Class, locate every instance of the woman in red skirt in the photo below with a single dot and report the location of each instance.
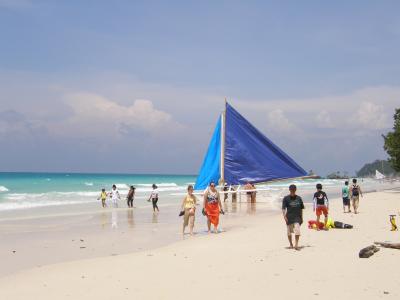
(212, 207)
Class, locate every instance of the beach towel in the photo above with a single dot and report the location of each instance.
(312, 224)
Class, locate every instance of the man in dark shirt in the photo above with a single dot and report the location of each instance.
(292, 209)
(321, 205)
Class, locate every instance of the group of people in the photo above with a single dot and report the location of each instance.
(115, 196)
(292, 208)
(352, 193)
(212, 208)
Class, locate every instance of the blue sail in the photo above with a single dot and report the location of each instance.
(210, 169)
(251, 157)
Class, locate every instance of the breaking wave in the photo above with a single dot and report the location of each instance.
(3, 188)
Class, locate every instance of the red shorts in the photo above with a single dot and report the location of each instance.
(321, 210)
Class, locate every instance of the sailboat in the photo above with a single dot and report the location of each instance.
(239, 153)
(379, 175)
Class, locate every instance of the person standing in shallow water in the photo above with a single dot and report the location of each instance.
(253, 194)
(248, 187)
(225, 189)
(103, 197)
(292, 210)
(130, 196)
(212, 207)
(114, 194)
(154, 198)
(189, 209)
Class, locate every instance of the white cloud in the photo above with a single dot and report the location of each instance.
(372, 116)
(323, 120)
(364, 109)
(277, 121)
(108, 121)
(96, 116)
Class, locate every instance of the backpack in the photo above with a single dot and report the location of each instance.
(355, 191)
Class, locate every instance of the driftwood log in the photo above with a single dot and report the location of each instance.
(368, 251)
(388, 245)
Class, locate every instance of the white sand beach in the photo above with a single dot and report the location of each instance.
(250, 260)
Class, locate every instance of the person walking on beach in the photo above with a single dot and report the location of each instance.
(345, 197)
(115, 196)
(103, 197)
(212, 207)
(321, 205)
(130, 196)
(225, 189)
(189, 210)
(154, 198)
(355, 192)
(292, 210)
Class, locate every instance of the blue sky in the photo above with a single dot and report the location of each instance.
(136, 86)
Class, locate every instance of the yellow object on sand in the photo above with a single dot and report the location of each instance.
(330, 223)
(393, 222)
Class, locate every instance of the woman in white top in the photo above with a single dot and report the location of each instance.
(154, 198)
(114, 195)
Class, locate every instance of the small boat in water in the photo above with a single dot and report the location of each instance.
(379, 175)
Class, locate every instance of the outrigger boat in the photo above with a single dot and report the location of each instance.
(239, 153)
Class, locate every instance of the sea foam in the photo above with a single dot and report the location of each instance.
(162, 184)
(122, 186)
(3, 188)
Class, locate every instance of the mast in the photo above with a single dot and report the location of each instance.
(222, 163)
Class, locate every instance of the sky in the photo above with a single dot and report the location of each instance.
(137, 86)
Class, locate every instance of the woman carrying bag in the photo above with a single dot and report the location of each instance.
(189, 210)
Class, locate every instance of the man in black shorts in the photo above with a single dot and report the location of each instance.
(292, 210)
(346, 196)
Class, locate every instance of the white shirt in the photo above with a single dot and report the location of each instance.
(114, 195)
(154, 194)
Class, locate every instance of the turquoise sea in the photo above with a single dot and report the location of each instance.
(26, 190)
(30, 190)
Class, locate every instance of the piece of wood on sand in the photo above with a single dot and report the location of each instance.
(368, 251)
(388, 245)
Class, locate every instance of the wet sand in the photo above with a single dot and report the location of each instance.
(49, 235)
